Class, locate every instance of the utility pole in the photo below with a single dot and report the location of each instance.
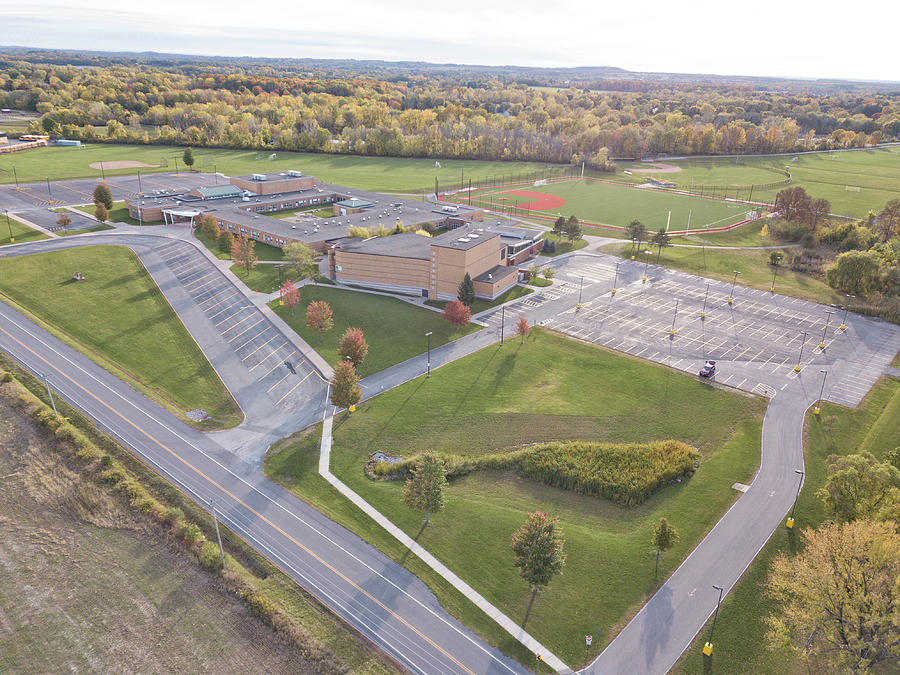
(212, 508)
(16, 177)
(102, 173)
(777, 260)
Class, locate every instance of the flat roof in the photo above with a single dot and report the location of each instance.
(496, 272)
(355, 203)
(405, 245)
(464, 238)
(220, 191)
(271, 176)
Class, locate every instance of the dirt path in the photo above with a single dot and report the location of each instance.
(85, 586)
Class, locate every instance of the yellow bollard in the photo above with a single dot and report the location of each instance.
(702, 315)
(816, 410)
(352, 408)
(789, 524)
(614, 291)
(730, 301)
(707, 649)
(671, 331)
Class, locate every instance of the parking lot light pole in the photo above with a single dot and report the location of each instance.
(502, 321)
(49, 192)
(775, 274)
(674, 314)
(708, 647)
(12, 239)
(428, 361)
(703, 311)
(828, 312)
(646, 265)
(16, 177)
(633, 242)
(821, 392)
(789, 524)
(733, 282)
(50, 394)
(843, 325)
(800, 357)
(616, 277)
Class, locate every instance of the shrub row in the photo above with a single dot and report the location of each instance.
(623, 473)
(110, 471)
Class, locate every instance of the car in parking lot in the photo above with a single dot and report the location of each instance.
(708, 369)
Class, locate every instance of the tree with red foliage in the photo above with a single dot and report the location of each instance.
(243, 252)
(319, 318)
(353, 346)
(345, 389)
(457, 313)
(290, 296)
(522, 328)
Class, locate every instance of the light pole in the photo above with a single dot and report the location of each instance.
(616, 277)
(708, 647)
(633, 241)
(777, 260)
(212, 507)
(733, 282)
(16, 177)
(846, 309)
(49, 193)
(646, 265)
(50, 394)
(580, 288)
(502, 321)
(674, 314)
(800, 357)
(828, 313)
(140, 189)
(12, 239)
(821, 392)
(216, 173)
(703, 311)
(428, 361)
(789, 524)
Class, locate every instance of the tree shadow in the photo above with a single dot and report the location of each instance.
(464, 398)
(707, 665)
(530, 605)
(416, 539)
(387, 423)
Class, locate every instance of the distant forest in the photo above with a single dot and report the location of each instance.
(436, 110)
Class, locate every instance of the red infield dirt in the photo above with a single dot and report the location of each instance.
(542, 202)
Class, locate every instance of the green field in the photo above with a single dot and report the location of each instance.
(756, 272)
(549, 388)
(740, 644)
(117, 214)
(744, 235)
(10, 227)
(263, 251)
(384, 174)
(612, 204)
(120, 319)
(394, 329)
(875, 172)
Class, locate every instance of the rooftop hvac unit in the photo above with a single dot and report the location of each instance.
(259, 176)
(294, 174)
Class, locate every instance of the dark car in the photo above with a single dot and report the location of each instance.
(708, 369)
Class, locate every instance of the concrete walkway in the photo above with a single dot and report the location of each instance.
(32, 225)
(502, 620)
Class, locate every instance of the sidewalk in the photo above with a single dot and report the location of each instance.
(504, 621)
(33, 226)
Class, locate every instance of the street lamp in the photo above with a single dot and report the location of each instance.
(502, 321)
(428, 367)
(633, 241)
(646, 265)
(616, 277)
(775, 274)
(674, 314)
(789, 524)
(49, 193)
(733, 282)
(708, 647)
(12, 239)
(703, 311)
(828, 312)
(843, 325)
(800, 357)
(580, 288)
(821, 391)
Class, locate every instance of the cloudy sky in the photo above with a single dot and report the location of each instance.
(790, 38)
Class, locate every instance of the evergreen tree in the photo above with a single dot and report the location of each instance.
(102, 195)
(466, 292)
(188, 157)
(424, 489)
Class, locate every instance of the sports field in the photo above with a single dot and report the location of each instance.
(595, 202)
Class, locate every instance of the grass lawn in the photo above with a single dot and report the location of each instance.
(745, 235)
(119, 318)
(563, 245)
(380, 174)
(756, 272)
(117, 214)
(740, 644)
(317, 211)
(394, 329)
(100, 227)
(263, 251)
(549, 388)
(264, 278)
(479, 305)
(9, 226)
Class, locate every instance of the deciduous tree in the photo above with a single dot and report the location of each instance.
(102, 195)
(101, 213)
(424, 489)
(188, 157)
(858, 486)
(840, 595)
(353, 346)
(793, 204)
(64, 221)
(818, 208)
(889, 219)
(664, 537)
(522, 328)
(466, 291)
(559, 227)
(855, 272)
(457, 313)
(209, 226)
(573, 229)
(301, 259)
(548, 273)
(538, 549)
(290, 296)
(225, 241)
(661, 239)
(319, 318)
(345, 389)
(243, 252)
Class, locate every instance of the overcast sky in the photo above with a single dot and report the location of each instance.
(789, 38)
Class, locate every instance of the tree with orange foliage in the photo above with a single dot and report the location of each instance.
(457, 313)
(290, 296)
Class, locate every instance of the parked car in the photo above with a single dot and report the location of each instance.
(708, 369)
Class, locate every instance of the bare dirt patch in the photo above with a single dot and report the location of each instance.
(657, 167)
(119, 164)
(85, 585)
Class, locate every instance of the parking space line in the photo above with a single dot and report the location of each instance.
(246, 329)
(641, 352)
(246, 318)
(213, 297)
(226, 308)
(274, 337)
(271, 354)
(763, 365)
(286, 375)
(294, 387)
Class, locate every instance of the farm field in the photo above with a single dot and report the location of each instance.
(394, 329)
(118, 317)
(740, 644)
(380, 174)
(610, 204)
(505, 397)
